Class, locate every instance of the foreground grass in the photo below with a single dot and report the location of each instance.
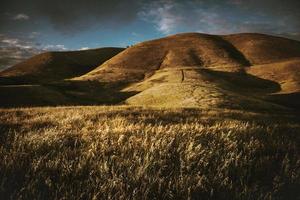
(135, 153)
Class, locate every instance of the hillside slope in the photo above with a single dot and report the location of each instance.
(286, 73)
(54, 66)
(181, 50)
(264, 49)
(241, 71)
(199, 70)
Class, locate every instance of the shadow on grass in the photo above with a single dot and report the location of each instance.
(255, 87)
(64, 93)
(243, 82)
(292, 99)
(75, 92)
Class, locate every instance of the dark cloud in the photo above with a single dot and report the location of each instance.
(287, 10)
(211, 16)
(224, 17)
(67, 15)
(272, 16)
(72, 16)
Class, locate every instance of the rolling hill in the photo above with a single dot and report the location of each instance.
(55, 66)
(239, 71)
(198, 70)
(229, 53)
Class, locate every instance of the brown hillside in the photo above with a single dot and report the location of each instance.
(195, 70)
(241, 71)
(263, 49)
(53, 66)
(190, 49)
(224, 53)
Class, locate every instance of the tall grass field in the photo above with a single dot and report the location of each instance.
(123, 152)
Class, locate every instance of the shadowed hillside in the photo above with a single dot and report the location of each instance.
(286, 73)
(54, 66)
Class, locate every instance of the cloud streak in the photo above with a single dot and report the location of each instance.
(21, 16)
(231, 16)
(162, 14)
(15, 50)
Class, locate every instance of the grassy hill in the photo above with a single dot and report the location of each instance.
(229, 53)
(56, 66)
(242, 71)
(199, 70)
(42, 79)
(189, 49)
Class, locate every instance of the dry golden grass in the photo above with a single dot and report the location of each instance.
(202, 88)
(148, 153)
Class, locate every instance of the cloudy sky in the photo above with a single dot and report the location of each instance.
(28, 27)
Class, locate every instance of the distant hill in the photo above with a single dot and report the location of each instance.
(239, 71)
(55, 66)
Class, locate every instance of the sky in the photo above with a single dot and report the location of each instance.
(29, 27)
